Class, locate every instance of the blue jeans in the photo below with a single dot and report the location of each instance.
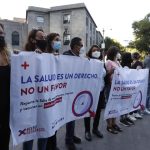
(41, 144)
(70, 126)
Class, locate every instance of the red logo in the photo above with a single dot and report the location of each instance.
(25, 65)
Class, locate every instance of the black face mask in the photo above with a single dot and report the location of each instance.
(41, 44)
(2, 42)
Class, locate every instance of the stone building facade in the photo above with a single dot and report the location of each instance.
(67, 20)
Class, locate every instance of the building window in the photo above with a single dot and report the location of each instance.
(87, 21)
(86, 39)
(15, 38)
(93, 30)
(93, 42)
(66, 37)
(66, 18)
(91, 26)
(40, 19)
(90, 41)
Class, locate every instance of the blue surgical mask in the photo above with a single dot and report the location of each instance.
(56, 45)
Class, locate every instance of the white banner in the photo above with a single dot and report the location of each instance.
(48, 91)
(128, 92)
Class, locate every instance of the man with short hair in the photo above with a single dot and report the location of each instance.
(75, 45)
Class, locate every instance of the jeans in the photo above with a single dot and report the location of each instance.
(41, 144)
(70, 126)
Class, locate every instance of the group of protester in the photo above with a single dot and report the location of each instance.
(38, 41)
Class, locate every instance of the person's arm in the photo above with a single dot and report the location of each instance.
(109, 67)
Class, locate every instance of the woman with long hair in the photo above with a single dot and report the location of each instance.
(36, 42)
(4, 92)
(95, 53)
(53, 47)
(111, 64)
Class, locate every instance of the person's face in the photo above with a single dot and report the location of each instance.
(40, 36)
(94, 49)
(41, 42)
(56, 44)
(78, 47)
(57, 38)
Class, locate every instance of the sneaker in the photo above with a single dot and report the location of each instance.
(111, 130)
(131, 117)
(129, 121)
(137, 116)
(146, 111)
(142, 112)
(124, 122)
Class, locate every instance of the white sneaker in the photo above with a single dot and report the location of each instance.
(137, 116)
(146, 111)
(131, 117)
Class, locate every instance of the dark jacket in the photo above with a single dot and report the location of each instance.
(69, 52)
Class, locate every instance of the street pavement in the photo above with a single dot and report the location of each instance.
(135, 137)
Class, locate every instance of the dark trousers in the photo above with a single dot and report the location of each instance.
(41, 144)
(51, 142)
(70, 126)
(28, 145)
(97, 116)
(4, 135)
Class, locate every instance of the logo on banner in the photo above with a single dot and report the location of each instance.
(138, 100)
(25, 65)
(30, 130)
(82, 104)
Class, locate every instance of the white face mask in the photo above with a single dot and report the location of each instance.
(96, 54)
(82, 52)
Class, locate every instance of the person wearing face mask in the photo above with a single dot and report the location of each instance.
(75, 45)
(36, 42)
(111, 64)
(4, 92)
(53, 47)
(53, 43)
(82, 52)
(94, 53)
